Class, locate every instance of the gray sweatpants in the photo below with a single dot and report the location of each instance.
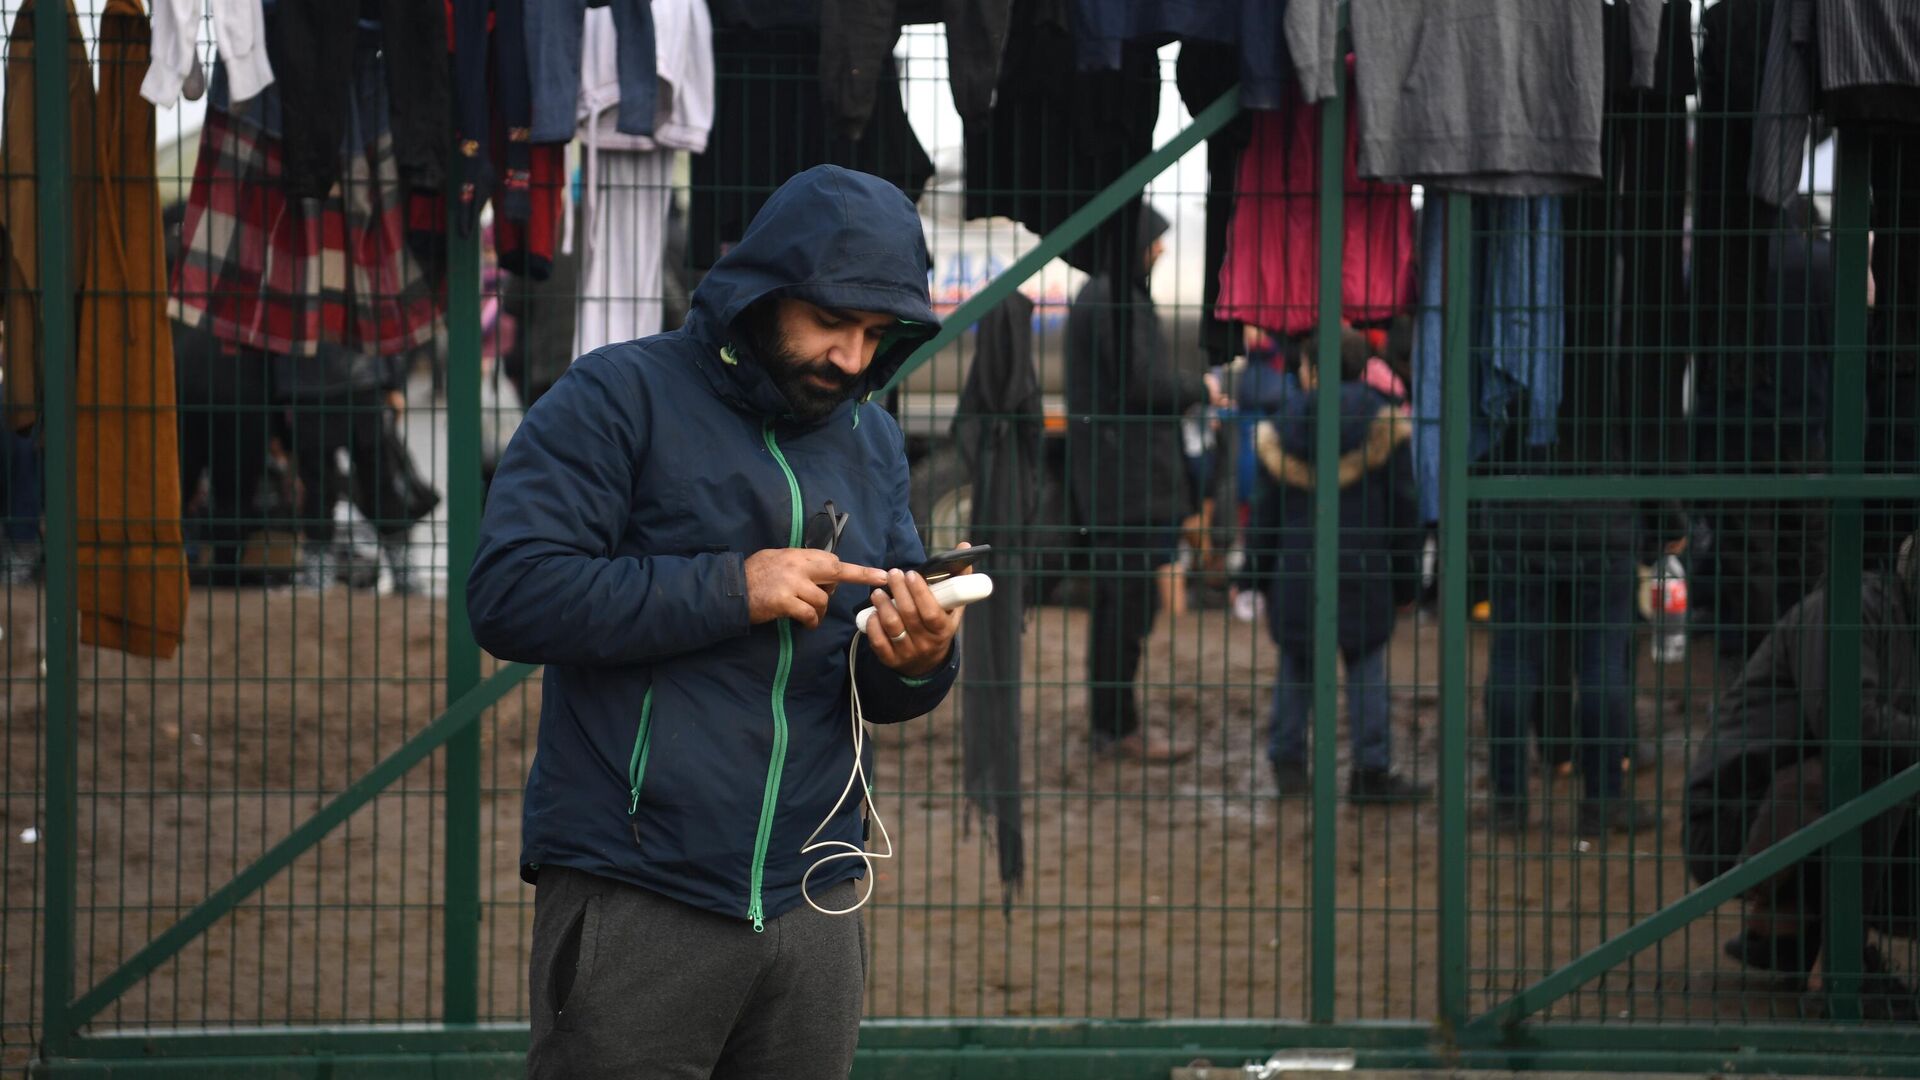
(628, 983)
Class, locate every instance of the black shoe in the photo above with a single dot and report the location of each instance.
(1622, 815)
(1292, 778)
(1883, 997)
(1382, 786)
(1788, 954)
(1505, 817)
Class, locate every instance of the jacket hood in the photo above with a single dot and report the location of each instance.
(1372, 427)
(829, 236)
(1359, 405)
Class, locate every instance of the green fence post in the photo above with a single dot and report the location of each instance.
(52, 168)
(1326, 551)
(1842, 754)
(461, 962)
(1455, 669)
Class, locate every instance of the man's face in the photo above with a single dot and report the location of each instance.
(821, 354)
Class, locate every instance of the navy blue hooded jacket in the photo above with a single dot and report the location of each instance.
(1380, 533)
(682, 749)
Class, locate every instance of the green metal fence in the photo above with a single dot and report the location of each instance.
(292, 849)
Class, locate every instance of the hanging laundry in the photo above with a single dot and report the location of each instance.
(1866, 57)
(262, 270)
(682, 93)
(1270, 276)
(857, 35)
(1485, 96)
(764, 97)
(1625, 238)
(493, 132)
(1516, 341)
(1056, 137)
(555, 32)
(998, 430)
(1102, 29)
(20, 204)
(131, 567)
(1204, 72)
(312, 42)
(627, 190)
(240, 30)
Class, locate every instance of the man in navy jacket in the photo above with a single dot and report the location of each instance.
(643, 539)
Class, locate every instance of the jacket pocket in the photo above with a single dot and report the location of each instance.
(637, 761)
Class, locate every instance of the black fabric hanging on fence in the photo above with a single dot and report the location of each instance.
(312, 44)
(767, 101)
(1057, 137)
(1204, 72)
(998, 431)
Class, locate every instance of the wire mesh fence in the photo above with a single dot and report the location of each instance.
(1411, 592)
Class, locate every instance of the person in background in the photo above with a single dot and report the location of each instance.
(1128, 480)
(339, 400)
(1378, 569)
(1768, 413)
(1759, 776)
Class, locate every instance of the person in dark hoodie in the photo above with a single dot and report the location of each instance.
(643, 538)
(1759, 776)
(1380, 537)
(1127, 475)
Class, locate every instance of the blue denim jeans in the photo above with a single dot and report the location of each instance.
(1600, 615)
(553, 45)
(1368, 707)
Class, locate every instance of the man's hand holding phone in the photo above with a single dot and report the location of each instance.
(909, 631)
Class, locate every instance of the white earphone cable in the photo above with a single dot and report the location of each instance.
(857, 776)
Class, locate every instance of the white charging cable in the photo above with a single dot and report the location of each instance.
(857, 776)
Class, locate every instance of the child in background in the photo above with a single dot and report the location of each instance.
(1378, 566)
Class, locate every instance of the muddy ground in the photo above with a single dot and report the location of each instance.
(1151, 891)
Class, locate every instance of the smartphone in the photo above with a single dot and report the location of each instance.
(946, 563)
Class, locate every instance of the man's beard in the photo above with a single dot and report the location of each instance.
(810, 401)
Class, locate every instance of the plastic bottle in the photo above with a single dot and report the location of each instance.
(1669, 611)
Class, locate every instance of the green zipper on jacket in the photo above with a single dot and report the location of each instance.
(778, 762)
(637, 765)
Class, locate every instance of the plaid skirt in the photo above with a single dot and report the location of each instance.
(262, 270)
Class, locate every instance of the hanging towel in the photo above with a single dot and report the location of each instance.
(132, 568)
(20, 205)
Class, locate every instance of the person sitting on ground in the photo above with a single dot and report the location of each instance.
(1380, 539)
(1760, 776)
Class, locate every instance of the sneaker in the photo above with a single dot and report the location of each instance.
(1789, 953)
(1292, 778)
(1153, 749)
(22, 565)
(1622, 815)
(396, 554)
(1383, 786)
(316, 573)
(1248, 605)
